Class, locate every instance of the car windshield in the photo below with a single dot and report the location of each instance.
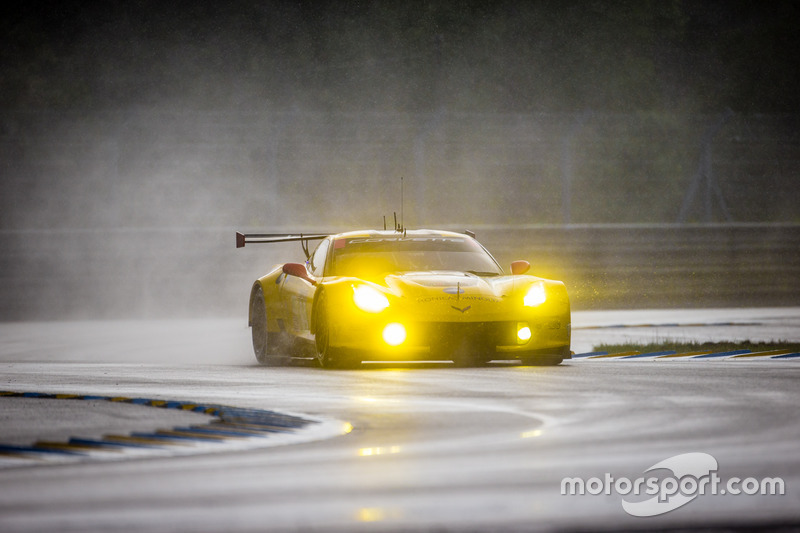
(372, 256)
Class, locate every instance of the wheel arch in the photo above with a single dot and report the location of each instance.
(253, 292)
(317, 294)
(267, 284)
(335, 289)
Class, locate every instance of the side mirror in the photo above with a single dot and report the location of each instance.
(518, 268)
(298, 270)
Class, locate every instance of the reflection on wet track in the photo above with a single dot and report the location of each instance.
(431, 446)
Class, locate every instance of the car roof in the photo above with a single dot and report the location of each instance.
(393, 233)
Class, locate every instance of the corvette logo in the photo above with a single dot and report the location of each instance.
(467, 308)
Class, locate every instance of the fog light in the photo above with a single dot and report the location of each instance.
(523, 333)
(394, 334)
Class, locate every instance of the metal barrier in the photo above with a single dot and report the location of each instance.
(661, 266)
(199, 273)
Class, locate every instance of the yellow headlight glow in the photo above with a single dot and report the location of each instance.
(536, 295)
(369, 299)
(394, 334)
(523, 333)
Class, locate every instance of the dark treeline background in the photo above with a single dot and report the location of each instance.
(489, 56)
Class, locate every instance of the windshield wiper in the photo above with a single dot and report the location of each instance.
(482, 274)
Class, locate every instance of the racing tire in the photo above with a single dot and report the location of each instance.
(543, 360)
(327, 355)
(469, 360)
(550, 359)
(465, 354)
(265, 347)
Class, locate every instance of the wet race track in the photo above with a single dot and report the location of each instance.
(171, 426)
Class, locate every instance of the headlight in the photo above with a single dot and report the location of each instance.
(369, 299)
(536, 295)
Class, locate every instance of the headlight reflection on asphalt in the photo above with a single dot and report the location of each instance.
(381, 450)
(531, 434)
(377, 514)
(370, 514)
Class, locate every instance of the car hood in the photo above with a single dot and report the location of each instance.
(448, 285)
(455, 296)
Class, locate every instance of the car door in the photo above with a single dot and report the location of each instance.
(298, 294)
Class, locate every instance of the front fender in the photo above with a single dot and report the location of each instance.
(313, 325)
(338, 290)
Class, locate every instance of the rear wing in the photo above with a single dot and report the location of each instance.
(243, 239)
(267, 238)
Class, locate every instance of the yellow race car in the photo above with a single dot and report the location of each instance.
(404, 295)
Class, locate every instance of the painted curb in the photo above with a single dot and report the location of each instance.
(232, 428)
(733, 355)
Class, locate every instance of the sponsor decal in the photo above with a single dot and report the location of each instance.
(405, 239)
(431, 299)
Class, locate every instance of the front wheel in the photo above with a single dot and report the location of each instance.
(546, 359)
(327, 355)
(470, 357)
(543, 360)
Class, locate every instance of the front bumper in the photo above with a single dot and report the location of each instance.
(439, 340)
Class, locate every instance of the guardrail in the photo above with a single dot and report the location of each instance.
(186, 272)
(637, 266)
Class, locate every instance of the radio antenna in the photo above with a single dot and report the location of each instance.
(402, 201)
